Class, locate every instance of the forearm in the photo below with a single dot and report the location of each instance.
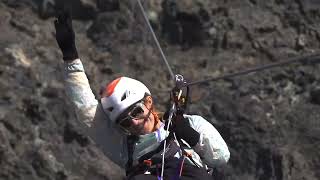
(211, 146)
(79, 92)
(213, 150)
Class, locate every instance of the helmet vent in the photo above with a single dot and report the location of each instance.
(110, 109)
(124, 96)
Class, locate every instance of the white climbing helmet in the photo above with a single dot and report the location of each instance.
(121, 93)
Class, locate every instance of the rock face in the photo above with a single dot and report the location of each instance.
(270, 120)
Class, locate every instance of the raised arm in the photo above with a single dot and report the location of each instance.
(79, 92)
(76, 82)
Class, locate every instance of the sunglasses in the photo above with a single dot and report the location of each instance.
(136, 112)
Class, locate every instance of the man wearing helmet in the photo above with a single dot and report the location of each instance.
(125, 125)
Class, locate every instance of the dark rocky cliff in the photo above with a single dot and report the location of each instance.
(270, 119)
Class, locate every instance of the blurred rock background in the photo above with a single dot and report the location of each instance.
(270, 120)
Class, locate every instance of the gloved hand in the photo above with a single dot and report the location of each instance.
(183, 130)
(65, 36)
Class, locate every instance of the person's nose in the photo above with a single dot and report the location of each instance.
(136, 122)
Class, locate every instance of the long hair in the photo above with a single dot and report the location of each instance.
(156, 114)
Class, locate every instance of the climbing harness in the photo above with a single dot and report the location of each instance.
(151, 160)
(180, 92)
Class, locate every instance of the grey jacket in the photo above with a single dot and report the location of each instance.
(211, 149)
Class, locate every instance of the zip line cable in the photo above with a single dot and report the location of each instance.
(155, 39)
(259, 68)
(310, 57)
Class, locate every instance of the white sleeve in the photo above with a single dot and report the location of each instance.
(211, 147)
(79, 92)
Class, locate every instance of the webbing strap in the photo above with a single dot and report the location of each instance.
(130, 145)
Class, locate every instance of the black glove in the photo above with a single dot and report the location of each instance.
(65, 36)
(183, 130)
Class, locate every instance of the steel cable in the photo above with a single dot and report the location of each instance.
(156, 40)
(259, 68)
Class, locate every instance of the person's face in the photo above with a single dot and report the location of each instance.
(141, 120)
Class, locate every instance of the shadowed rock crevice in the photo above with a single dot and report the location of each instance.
(71, 134)
(181, 27)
